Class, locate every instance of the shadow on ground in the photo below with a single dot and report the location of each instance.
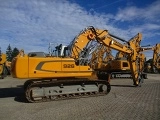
(123, 86)
(16, 92)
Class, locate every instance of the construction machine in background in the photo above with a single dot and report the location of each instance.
(156, 59)
(154, 65)
(122, 59)
(119, 66)
(101, 57)
(69, 75)
(4, 66)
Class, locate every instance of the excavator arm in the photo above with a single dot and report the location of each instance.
(120, 64)
(131, 49)
(104, 37)
(136, 40)
(80, 42)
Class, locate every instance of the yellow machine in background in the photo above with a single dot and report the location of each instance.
(118, 66)
(122, 59)
(4, 66)
(101, 57)
(156, 59)
(154, 65)
(67, 75)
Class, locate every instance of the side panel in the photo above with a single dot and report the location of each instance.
(44, 67)
(55, 68)
(38, 67)
(86, 70)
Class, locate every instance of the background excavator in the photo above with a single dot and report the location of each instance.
(101, 57)
(118, 66)
(156, 59)
(154, 65)
(122, 59)
(68, 75)
(4, 65)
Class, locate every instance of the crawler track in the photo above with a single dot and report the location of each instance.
(43, 91)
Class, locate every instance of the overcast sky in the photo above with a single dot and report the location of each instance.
(33, 24)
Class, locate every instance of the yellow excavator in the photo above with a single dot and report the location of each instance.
(121, 65)
(67, 75)
(4, 66)
(118, 66)
(122, 58)
(154, 66)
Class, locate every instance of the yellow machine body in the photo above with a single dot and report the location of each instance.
(48, 67)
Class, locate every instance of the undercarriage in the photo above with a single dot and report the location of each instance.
(51, 90)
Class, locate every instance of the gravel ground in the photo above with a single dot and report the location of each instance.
(124, 102)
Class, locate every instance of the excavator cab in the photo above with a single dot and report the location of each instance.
(58, 51)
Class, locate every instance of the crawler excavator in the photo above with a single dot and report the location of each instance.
(68, 76)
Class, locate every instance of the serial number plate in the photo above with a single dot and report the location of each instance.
(68, 65)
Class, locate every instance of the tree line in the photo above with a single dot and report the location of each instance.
(11, 53)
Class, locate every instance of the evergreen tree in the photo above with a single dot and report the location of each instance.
(9, 53)
(15, 52)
